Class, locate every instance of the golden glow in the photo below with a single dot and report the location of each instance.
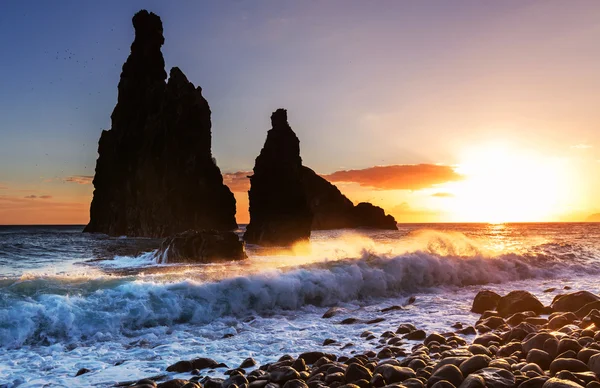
(505, 184)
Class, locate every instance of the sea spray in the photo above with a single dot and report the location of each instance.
(134, 305)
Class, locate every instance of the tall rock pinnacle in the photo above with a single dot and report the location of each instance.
(155, 174)
(288, 200)
(279, 212)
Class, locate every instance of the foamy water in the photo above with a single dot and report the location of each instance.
(78, 301)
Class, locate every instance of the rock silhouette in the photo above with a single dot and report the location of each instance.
(333, 210)
(279, 211)
(155, 175)
(288, 200)
(204, 246)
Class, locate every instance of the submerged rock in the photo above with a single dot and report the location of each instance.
(204, 246)
(155, 174)
(279, 211)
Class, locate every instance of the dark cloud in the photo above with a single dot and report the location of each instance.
(442, 195)
(80, 179)
(397, 177)
(237, 181)
(31, 196)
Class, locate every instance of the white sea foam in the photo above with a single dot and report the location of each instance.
(144, 320)
(127, 306)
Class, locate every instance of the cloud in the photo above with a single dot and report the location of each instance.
(33, 196)
(79, 179)
(237, 181)
(398, 177)
(442, 195)
(581, 146)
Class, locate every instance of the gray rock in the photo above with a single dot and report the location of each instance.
(485, 300)
(536, 382)
(474, 363)
(558, 383)
(394, 374)
(283, 374)
(473, 381)
(496, 377)
(356, 372)
(519, 301)
(296, 383)
(443, 384)
(569, 364)
(594, 364)
(449, 372)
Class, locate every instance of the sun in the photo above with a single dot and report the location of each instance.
(505, 184)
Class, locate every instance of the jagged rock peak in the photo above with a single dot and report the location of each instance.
(279, 212)
(148, 27)
(146, 60)
(155, 175)
(279, 119)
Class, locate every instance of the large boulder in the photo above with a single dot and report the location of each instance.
(333, 210)
(496, 377)
(519, 301)
(485, 300)
(279, 211)
(155, 174)
(573, 301)
(204, 246)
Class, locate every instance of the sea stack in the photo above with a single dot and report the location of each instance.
(279, 211)
(155, 174)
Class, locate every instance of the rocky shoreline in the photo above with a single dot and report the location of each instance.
(516, 342)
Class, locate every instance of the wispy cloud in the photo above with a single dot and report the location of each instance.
(581, 146)
(442, 195)
(79, 179)
(33, 196)
(398, 177)
(237, 181)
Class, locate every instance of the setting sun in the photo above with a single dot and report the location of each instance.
(504, 184)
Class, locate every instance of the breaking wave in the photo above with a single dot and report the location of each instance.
(46, 310)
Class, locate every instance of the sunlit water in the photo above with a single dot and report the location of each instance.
(70, 300)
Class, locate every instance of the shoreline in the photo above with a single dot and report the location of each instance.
(516, 342)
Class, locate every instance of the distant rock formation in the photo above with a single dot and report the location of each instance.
(279, 212)
(155, 175)
(205, 246)
(333, 210)
(288, 200)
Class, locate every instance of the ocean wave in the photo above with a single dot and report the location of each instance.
(115, 306)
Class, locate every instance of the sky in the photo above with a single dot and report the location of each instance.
(438, 111)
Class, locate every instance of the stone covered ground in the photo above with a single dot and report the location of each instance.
(517, 342)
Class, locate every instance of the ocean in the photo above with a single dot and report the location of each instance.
(70, 300)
